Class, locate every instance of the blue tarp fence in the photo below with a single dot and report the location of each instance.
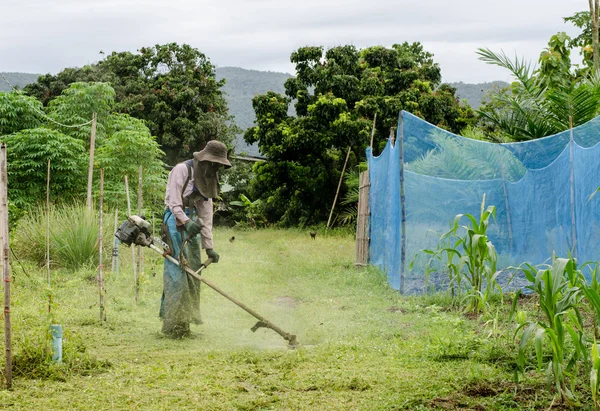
(541, 190)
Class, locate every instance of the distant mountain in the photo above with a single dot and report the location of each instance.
(242, 85)
(17, 80)
(474, 93)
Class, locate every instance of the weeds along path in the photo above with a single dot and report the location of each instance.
(363, 346)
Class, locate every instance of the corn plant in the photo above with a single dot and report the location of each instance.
(595, 375)
(469, 259)
(558, 287)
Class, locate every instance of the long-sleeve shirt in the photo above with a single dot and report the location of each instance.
(173, 200)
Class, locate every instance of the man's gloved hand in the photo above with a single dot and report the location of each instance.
(192, 228)
(212, 254)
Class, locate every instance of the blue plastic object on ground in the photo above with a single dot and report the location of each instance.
(56, 332)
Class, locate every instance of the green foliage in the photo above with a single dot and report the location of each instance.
(28, 154)
(595, 374)
(468, 259)
(76, 105)
(559, 292)
(33, 358)
(18, 112)
(337, 93)
(541, 102)
(127, 146)
(251, 211)
(73, 236)
(171, 87)
(123, 143)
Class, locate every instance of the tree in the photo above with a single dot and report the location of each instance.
(337, 94)
(28, 154)
(171, 87)
(544, 101)
(18, 112)
(123, 144)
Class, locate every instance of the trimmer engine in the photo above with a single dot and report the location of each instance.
(135, 230)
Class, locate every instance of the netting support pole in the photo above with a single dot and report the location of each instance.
(572, 184)
(510, 233)
(400, 141)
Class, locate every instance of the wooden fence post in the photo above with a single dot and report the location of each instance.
(5, 262)
(100, 244)
(91, 167)
(140, 254)
(48, 235)
(133, 263)
(362, 224)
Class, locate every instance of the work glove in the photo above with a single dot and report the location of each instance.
(212, 254)
(192, 228)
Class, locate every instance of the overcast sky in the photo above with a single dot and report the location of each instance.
(41, 36)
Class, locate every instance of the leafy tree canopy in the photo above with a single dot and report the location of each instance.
(336, 95)
(18, 112)
(171, 87)
(123, 144)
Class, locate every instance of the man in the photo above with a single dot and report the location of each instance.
(190, 189)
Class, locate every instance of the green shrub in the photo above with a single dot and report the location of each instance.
(33, 358)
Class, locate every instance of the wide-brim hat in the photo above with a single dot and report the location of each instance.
(215, 152)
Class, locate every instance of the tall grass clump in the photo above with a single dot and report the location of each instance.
(73, 236)
(468, 257)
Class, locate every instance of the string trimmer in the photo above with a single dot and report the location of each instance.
(136, 230)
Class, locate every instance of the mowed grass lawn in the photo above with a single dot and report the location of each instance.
(363, 346)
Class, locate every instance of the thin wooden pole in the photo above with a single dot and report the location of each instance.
(572, 184)
(6, 264)
(127, 195)
(115, 251)
(373, 130)
(400, 141)
(362, 231)
(338, 188)
(133, 263)
(140, 255)
(48, 235)
(100, 244)
(91, 167)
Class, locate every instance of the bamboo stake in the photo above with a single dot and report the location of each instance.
(338, 188)
(48, 235)
(402, 200)
(133, 263)
(6, 264)
(115, 253)
(101, 264)
(140, 255)
(572, 184)
(373, 130)
(91, 167)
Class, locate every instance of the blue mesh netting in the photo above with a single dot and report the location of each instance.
(445, 175)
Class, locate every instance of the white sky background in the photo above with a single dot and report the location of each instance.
(41, 36)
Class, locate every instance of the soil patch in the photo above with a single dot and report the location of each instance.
(286, 301)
